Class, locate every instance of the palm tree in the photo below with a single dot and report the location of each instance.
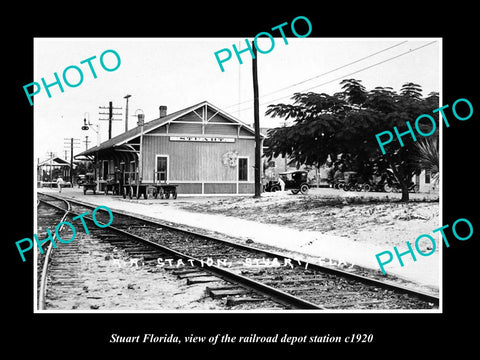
(426, 156)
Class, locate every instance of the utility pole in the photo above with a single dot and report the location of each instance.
(51, 154)
(110, 114)
(86, 141)
(126, 112)
(72, 143)
(141, 122)
(86, 126)
(256, 118)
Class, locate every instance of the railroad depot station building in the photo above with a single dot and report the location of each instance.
(201, 148)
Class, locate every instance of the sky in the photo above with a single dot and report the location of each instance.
(180, 72)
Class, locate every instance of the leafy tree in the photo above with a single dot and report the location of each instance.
(347, 122)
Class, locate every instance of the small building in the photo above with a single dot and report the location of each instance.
(201, 148)
(426, 183)
(49, 170)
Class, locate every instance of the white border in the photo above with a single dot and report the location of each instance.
(404, 311)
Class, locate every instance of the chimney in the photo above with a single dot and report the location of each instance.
(163, 110)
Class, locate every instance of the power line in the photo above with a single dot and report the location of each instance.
(352, 73)
(325, 73)
(370, 66)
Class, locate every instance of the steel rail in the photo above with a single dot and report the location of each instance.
(337, 272)
(43, 279)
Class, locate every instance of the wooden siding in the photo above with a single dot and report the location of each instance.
(189, 188)
(160, 130)
(217, 129)
(212, 115)
(244, 132)
(220, 188)
(107, 166)
(246, 188)
(178, 128)
(215, 188)
(196, 161)
(191, 116)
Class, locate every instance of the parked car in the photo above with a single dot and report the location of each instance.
(295, 181)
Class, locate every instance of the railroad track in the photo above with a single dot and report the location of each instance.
(47, 218)
(81, 271)
(247, 274)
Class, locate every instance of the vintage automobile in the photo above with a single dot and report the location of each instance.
(295, 181)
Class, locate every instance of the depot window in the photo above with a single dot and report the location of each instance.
(427, 176)
(242, 169)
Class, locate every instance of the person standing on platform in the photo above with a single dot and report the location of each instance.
(59, 184)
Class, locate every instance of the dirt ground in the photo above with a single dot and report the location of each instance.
(378, 219)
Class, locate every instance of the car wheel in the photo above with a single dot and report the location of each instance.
(304, 189)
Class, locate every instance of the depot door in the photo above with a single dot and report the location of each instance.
(161, 168)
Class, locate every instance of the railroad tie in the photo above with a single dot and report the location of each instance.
(193, 275)
(240, 300)
(221, 293)
(202, 279)
(221, 287)
(175, 270)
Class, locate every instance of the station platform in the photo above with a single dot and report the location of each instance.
(310, 246)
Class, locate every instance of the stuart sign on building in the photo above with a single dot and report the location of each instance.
(202, 139)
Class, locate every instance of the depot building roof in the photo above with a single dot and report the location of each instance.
(156, 123)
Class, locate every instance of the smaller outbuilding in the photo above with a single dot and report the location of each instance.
(49, 170)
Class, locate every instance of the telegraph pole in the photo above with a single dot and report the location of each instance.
(141, 122)
(73, 143)
(110, 114)
(126, 112)
(86, 141)
(51, 154)
(256, 118)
